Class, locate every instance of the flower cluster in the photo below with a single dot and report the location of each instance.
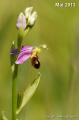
(23, 53)
(26, 19)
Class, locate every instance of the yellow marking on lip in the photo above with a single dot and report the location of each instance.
(35, 52)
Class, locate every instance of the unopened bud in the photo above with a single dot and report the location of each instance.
(32, 18)
(21, 21)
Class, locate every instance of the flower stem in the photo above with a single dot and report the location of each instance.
(15, 73)
(14, 96)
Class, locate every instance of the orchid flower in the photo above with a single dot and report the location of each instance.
(26, 53)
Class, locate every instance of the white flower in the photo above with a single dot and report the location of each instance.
(21, 21)
(32, 18)
(30, 15)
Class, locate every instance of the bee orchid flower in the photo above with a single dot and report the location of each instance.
(29, 52)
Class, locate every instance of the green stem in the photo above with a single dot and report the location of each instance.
(19, 42)
(15, 72)
(14, 96)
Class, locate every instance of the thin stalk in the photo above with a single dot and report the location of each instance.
(15, 73)
(14, 95)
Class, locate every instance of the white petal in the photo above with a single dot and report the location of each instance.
(32, 18)
(28, 11)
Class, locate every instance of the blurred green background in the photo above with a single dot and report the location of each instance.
(58, 91)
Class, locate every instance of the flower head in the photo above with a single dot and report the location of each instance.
(26, 19)
(29, 52)
(30, 15)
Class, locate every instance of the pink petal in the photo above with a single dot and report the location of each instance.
(24, 54)
(22, 58)
(27, 49)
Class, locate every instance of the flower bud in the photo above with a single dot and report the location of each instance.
(32, 18)
(21, 21)
(28, 12)
(30, 15)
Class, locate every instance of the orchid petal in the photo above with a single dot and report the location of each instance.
(32, 18)
(22, 58)
(27, 49)
(28, 12)
(14, 51)
(24, 55)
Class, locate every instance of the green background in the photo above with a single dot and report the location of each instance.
(58, 28)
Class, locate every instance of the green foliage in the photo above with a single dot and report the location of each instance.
(59, 29)
(23, 99)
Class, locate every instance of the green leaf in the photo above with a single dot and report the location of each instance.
(29, 93)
